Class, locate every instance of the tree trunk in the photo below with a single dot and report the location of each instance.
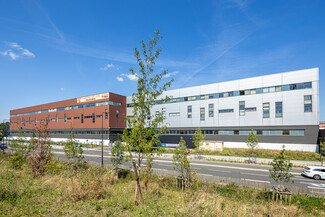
(138, 188)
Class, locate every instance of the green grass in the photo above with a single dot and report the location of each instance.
(95, 191)
(261, 153)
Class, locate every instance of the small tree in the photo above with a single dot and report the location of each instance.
(252, 143)
(144, 129)
(21, 150)
(72, 151)
(182, 165)
(321, 151)
(117, 155)
(280, 171)
(198, 137)
(41, 156)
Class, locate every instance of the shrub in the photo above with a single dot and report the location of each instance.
(72, 151)
(21, 150)
(117, 155)
(41, 156)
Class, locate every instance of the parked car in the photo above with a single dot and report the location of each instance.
(315, 172)
(3, 146)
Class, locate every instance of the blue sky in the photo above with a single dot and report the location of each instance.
(56, 50)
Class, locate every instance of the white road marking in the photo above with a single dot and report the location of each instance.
(160, 169)
(317, 188)
(253, 174)
(314, 185)
(201, 174)
(193, 164)
(253, 180)
(222, 171)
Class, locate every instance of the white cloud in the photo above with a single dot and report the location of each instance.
(62, 88)
(16, 51)
(170, 74)
(120, 79)
(132, 77)
(108, 66)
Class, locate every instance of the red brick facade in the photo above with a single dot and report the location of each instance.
(112, 122)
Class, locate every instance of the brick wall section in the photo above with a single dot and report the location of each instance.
(112, 122)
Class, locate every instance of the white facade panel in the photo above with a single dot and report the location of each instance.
(292, 102)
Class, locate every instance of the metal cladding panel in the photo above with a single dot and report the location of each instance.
(300, 76)
(250, 83)
(292, 102)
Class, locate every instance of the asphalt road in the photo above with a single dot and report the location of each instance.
(249, 172)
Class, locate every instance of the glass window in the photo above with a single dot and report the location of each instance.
(225, 94)
(259, 90)
(163, 112)
(293, 86)
(106, 114)
(242, 108)
(253, 91)
(118, 113)
(285, 87)
(211, 110)
(202, 114)
(189, 111)
(307, 85)
(245, 132)
(252, 109)
(272, 132)
(271, 89)
(247, 92)
(285, 132)
(226, 110)
(173, 114)
(278, 88)
(308, 103)
(226, 132)
(278, 109)
(265, 90)
(220, 95)
(231, 93)
(93, 117)
(242, 92)
(300, 86)
(82, 118)
(266, 110)
(296, 132)
(236, 93)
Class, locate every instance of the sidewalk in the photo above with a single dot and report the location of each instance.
(219, 158)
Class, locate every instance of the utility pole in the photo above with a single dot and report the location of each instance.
(106, 113)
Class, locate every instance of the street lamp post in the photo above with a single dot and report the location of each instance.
(106, 112)
(102, 139)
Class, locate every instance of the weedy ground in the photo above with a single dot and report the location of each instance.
(261, 153)
(96, 191)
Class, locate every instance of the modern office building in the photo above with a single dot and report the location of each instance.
(283, 109)
(90, 117)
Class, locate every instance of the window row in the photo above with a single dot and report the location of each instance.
(241, 132)
(71, 107)
(272, 89)
(82, 117)
(76, 132)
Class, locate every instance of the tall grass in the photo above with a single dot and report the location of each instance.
(95, 191)
(262, 153)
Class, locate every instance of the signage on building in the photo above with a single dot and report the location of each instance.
(52, 110)
(93, 97)
(169, 145)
